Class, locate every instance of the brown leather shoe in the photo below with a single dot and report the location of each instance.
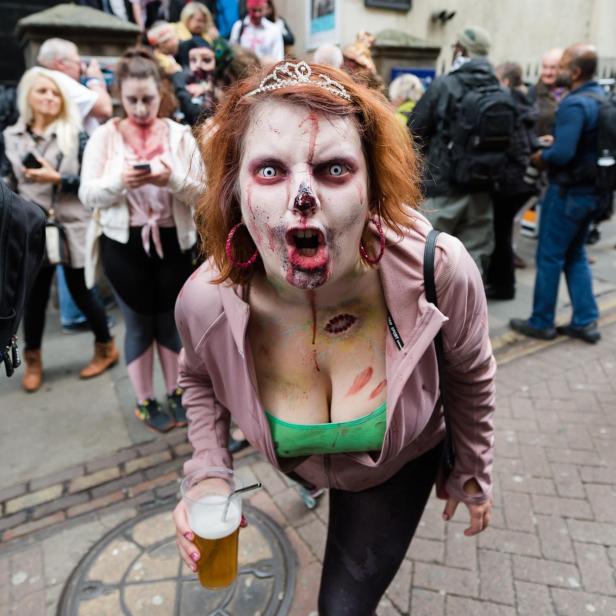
(105, 356)
(33, 371)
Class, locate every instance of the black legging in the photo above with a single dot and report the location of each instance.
(501, 271)
(146, 283)
(369, 533)
(146, 288)
(34, 314)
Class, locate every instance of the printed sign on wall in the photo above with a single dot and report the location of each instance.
(323, 22)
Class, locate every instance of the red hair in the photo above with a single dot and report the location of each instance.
(393, 168)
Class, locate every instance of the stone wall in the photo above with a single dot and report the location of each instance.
(521, 29)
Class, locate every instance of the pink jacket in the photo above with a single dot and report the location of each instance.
(217, 373)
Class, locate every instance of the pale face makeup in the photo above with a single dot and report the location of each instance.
(303, 186)
(201, 61)
(44, 98)
(141, 100)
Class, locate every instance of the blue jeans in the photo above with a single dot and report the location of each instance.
(69, 312)
(563, 228)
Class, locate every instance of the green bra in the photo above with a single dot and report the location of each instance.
(362, 434)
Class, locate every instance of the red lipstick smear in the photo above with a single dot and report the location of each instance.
(340, 324)
(361, 380)
(378, 389)
(313, 307)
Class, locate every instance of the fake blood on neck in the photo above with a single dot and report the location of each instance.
(313, 308)
(146, 140)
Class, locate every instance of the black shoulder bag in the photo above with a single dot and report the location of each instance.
(430, 287)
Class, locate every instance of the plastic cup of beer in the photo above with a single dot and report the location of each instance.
(214, 515)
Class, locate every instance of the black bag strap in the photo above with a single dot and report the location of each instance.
(430, 287)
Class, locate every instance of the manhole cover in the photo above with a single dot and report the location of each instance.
(135, 570)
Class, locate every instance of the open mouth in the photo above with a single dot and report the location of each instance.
(307, 248)
(305, 241)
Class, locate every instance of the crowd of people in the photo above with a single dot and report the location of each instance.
(126, 198)
(491, 143)
(286, 308)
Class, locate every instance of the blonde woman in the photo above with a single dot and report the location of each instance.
(44, 150)
(196, 20)
(404, 93)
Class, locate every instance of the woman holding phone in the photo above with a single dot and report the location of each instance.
(140, 175)
(44, 150)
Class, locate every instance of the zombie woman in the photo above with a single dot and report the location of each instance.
(140, 175)
(309, 324)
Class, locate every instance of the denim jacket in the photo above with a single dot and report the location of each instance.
(573, 155)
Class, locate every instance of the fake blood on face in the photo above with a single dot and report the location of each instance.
(314, 131)
(308, 257)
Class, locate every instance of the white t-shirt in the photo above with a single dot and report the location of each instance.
(83, 97)
(265, 40)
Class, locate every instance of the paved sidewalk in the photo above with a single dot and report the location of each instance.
(552, 548)
(76, 464)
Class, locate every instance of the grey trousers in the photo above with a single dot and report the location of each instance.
(467, 217)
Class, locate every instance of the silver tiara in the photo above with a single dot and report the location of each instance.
(290, 74)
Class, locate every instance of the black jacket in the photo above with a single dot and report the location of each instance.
(429, 120)
(523, 143)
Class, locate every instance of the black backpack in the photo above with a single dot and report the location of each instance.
(480, 129)
(606, 142)
(22, 245)
(604, 171)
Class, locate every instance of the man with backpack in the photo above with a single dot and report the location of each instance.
(579, 182)
(464, 124)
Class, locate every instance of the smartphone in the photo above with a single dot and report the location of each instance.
(143, 167)
(30, 161)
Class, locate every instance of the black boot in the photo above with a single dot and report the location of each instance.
(503, 293)
(523, 326)
(589, 333)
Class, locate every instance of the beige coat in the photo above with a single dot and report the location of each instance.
(69, 211)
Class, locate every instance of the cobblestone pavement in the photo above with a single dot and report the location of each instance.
(551, 549)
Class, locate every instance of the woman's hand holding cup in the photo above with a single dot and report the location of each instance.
(207, 521)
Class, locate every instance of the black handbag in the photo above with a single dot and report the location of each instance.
(430, 288)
